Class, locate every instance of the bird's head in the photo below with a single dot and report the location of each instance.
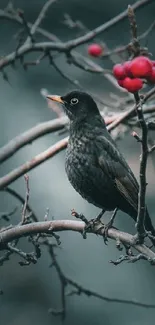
(78, 105)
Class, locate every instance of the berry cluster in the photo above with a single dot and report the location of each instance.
(131, 74)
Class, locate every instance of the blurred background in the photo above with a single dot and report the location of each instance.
(30, 291)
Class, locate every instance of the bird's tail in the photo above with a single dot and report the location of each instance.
(149, 226)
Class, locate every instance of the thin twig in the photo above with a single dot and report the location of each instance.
(152, 149)
(25, 24)
(79, 289)
(133, 27)
(28, 257)
(40, 18)
(6, 215)
(26, 177)
(18, 196)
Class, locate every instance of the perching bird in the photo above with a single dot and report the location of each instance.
(94, 165)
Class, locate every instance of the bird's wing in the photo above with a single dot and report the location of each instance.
(114, 165)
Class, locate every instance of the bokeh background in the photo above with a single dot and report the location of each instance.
(30, 291)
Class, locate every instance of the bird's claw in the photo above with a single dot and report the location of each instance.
(105, 228)
(108, 226)
(90, 226)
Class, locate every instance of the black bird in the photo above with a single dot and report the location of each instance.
(94, 165)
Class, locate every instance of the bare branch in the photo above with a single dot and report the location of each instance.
(152, 149)
(51, 226)
(143, 164)
(90, 35)
(122, 49)
(133, 27)
(30, 135)
(20, 199)
(40, 18)
(143, 140)
(79, 289)
(36, 161)
(6, 215)
(28, 257)
(26, 177)
(128, 113)
(26, 26)
(68, 46)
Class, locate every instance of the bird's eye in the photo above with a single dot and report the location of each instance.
(74, 101)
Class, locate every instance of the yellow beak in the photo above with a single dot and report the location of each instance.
(55, 98)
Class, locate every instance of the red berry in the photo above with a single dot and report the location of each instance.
(120, 82)
(152, 77)
(126, 66)
(118, 71)
(95, 50)
(141, 67)
(132, 85)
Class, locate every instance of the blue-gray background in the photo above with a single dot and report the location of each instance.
(30, 291)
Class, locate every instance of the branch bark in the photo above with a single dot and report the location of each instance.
(63, 225)
(36, 161)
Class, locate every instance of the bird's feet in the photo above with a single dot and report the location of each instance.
(89, 224)
(107, 226)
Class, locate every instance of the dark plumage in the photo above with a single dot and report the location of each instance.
(94, 165)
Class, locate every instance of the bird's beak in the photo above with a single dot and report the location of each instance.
(56, 98)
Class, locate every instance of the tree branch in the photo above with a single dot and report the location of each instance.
(79, 289)
(36, 161)
(40, 17)
(66, 47)
(32, 134)
(49, 227)
(143, 164)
